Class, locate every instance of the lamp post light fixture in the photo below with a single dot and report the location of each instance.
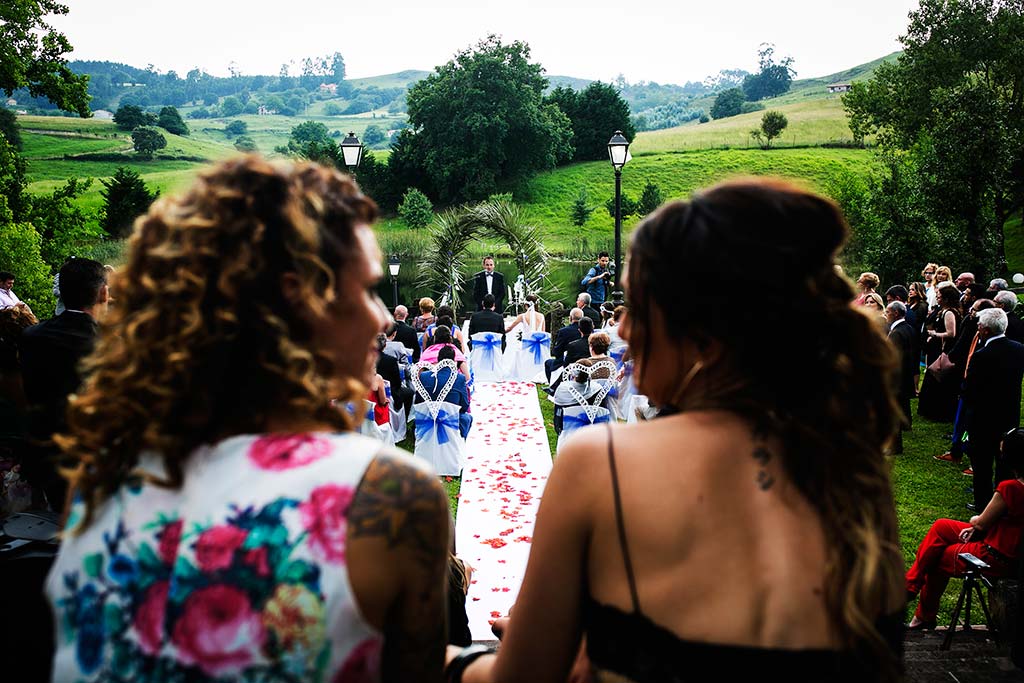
(618, 154)
(351, 152)
(394, 263)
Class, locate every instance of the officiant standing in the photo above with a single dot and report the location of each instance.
(489, 281)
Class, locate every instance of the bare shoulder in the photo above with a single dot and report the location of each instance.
(401, 501)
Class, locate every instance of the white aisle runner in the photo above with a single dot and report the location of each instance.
(507, 466)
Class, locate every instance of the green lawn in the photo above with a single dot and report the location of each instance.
(37, 146)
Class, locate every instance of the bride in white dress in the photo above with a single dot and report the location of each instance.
(517, 365)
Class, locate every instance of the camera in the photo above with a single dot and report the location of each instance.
(611, 269)
(973, 560)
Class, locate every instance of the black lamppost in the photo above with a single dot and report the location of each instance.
(351, 152)
(394, 263)
(618, 154)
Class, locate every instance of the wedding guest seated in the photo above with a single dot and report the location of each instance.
(487, 320)
(378, 396)
(444, 318)
(443, 338)
(577, 349)
(750, 529)
(406, 333)
(561, 341)
(994, 536)
(598, 344)
(434, 382)
(209, 446)
(426, 316)
(389, 368)
(396, 349)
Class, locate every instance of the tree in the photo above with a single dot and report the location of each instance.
(727, 103)
(415, 209)
(9, 128)
(236, 128)
(244, 143)
(62, 224)
(32, 56)
(595, 113)
(627, 205)
(774, 78)
(19, 254)
(772, 125)
(581, 208)
(147, 140)
(373, 135)
(650, 199)
(954, 102)
(125, 198)
(231, 106)
(130, 117)
(170, 120)
(473, 114)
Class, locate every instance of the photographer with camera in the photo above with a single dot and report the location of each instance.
(598, 280)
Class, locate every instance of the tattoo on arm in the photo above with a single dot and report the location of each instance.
(762, 455)
(408, 509)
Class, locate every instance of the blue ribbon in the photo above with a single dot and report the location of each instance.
(617, 355)
(487, 345)
(440, 425)
(534, 343)
(573, 422)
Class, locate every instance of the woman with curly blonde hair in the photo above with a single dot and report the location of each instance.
(227, 523)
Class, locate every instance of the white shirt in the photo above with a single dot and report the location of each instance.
(489, 278)
(898, 321)
(992, 339)
(8, 299)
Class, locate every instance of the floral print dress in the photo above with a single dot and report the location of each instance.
(240, 575)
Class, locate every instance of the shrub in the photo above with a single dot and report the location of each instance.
(125, 197)
(415, 209)
(20, 246)
(650, 199)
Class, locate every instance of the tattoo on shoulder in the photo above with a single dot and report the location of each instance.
(762, 455)
(401, 504)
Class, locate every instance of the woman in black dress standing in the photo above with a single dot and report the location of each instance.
(939, 397)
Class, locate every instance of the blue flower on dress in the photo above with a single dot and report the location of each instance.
(123, 570)
(89, 648)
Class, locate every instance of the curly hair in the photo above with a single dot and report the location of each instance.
(203, 344)
(824, 390)
(12, 321)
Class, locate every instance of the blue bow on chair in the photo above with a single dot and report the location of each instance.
(487, 346)
(440, 424)
(574, 422)
(617, 355)
(534, 343)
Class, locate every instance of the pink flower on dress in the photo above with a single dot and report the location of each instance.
(362, 665)
(286, 451)
(169, 537)
(324, 518)
(216, 547)
(149, 618)
(257, 559)
(218, 631)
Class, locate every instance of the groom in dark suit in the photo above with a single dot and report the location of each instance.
(489, 281)
(991, 397)
(904, 337)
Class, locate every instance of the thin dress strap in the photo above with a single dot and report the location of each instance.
(622, 525)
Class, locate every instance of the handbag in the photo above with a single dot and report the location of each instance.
(941, 367)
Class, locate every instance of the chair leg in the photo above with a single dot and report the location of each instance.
(948, 640)
(988, 615)
(969, 584)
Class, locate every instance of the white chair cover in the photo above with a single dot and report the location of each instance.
(369, 426)
(398, 418)
(438, 439)
(576, 417)
(529, 359)
(485, 358)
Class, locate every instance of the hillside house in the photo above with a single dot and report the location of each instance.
(329, 87)
(11, 102)
(838, 87)
(102, 114)
(264, 110)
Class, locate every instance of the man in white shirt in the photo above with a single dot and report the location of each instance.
(8, 299)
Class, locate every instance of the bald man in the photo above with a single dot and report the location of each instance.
(405, 333)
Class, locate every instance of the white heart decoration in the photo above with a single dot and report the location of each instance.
(417, 383)
(572, 371)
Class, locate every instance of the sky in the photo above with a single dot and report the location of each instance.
(666, 41)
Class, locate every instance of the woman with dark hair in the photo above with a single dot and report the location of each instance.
(228, 524)
(750, 529)
(917, 301)
(993, 536)
(939, 396)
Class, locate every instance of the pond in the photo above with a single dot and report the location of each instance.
(564, 277)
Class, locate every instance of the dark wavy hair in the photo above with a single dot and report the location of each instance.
(203, 344)
(821, 379)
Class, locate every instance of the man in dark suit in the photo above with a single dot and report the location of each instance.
(583, 303)
(563, 338)
(406, 334)
(904, 337)
(489, 281)
(50, 355)
(388, 368)
(1014, 325)
(487, 320)
(991, 401)
(577, 349)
